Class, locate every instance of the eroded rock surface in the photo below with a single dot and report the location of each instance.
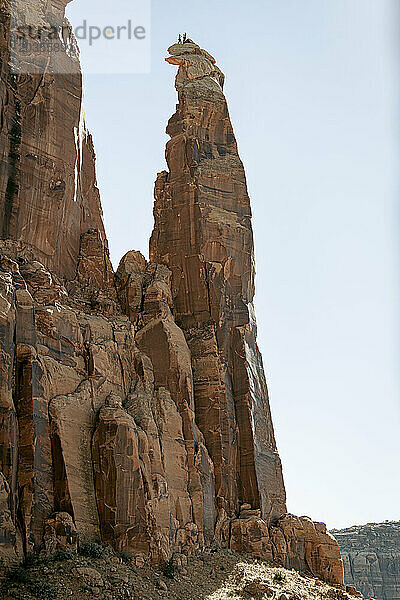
(47, 176)
(371, 558)
(203, 234)
(134, 409)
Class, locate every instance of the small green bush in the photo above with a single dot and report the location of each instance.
(43, 590)
(64, 555)
(92, 550)
(169, 569)
(279, 576)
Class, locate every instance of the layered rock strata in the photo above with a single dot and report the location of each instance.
(133, 409)
(371, 558)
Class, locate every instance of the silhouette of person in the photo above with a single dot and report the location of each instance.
(179, 39)
(184, 37)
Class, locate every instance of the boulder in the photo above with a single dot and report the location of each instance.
(60, 534)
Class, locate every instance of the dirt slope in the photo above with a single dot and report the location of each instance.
(220, 575)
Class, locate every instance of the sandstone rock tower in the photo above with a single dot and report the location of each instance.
(133, 405)
(203, 234)
(47, 177)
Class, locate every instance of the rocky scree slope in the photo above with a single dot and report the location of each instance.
(209, 575)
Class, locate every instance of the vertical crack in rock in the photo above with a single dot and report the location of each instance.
(12, 188)
(62, 498)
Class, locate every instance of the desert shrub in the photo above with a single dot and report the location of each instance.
(169, 569)
(279, 576)
(92, 550)
(64, 555)
(43, 590)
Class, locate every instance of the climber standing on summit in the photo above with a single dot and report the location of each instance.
(179, 39)
(184, 38)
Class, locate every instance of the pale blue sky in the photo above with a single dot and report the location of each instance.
(313, 90)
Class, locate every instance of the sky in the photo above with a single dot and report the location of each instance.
(313, 92)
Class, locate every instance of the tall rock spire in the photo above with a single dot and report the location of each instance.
(203, 233)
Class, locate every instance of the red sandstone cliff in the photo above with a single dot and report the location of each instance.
(47, 177)
(133, 409)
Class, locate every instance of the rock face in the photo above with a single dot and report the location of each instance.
(134, 409)
(47, 177)
(203, 234)
(371, 558)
